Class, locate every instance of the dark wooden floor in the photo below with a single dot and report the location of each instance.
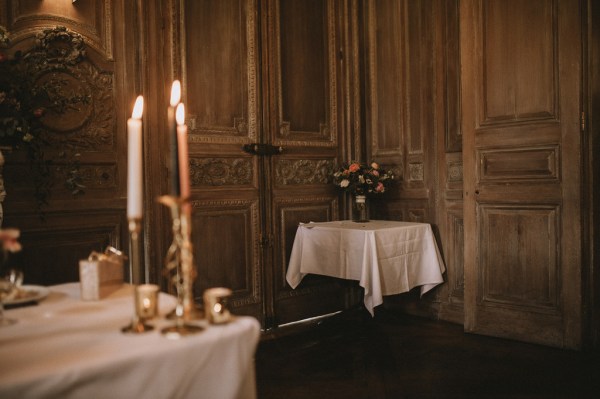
(351, 355)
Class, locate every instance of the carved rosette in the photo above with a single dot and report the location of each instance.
(455, 172)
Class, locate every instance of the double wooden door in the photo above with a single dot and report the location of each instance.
(261, 85)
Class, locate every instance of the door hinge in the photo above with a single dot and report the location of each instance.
(582, 121)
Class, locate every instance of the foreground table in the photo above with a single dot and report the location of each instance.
(385, 257)
(67, 348)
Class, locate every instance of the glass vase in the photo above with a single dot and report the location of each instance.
(360, 209)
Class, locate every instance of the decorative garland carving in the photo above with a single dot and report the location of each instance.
(220, 171)
(303, 171)
(61, 46)
(92, 176)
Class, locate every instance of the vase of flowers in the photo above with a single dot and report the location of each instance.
(362, 180)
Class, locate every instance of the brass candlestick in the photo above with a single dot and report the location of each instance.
(135, 228)
(179, 264)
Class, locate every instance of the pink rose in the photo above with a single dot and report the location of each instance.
(374, 172)
(380, 187)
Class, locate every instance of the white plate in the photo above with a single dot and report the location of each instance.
(28, 293)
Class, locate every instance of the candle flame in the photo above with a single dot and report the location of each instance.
(180, 114)
(175, 93)
(138, 108)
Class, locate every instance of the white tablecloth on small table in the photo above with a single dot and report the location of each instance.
(386, 257)
(67, 348)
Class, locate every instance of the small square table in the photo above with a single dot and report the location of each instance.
(385, 257)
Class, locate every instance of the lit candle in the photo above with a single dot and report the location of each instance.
(182, 141)
(134, 161)
(146, 301)
(175, 97)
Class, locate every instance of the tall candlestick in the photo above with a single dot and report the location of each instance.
(175, 97)
(182, 137)
(134, 161)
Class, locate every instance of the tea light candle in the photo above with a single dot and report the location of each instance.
(215, 305)
(146, 301)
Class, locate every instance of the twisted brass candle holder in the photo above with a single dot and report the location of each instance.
(179, 265)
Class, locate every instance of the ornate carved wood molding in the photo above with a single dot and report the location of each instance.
(303, 171)
(221, 171)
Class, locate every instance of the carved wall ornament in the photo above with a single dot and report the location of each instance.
(87, 120)
(303, 171)
(415, 171)
(455, 172)
(61, 46)
(64, 102)
(220, 171)
(96, 176)
(89, 125)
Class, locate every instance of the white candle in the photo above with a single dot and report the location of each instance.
(175, 98)
(134, 161)
(182, 143)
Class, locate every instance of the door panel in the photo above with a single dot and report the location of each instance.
(521, 84)
(219, 61)
(304, 81)
(303, 86)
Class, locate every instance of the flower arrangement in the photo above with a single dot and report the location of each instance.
(9, 240)
(362, 179)
(30, 89)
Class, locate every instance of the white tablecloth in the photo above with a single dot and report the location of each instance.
(68, 348)
(386, 257)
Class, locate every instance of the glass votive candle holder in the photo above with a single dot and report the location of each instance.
(216, 305)
(146, 301)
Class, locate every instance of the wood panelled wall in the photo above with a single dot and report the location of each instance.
(325, 80)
